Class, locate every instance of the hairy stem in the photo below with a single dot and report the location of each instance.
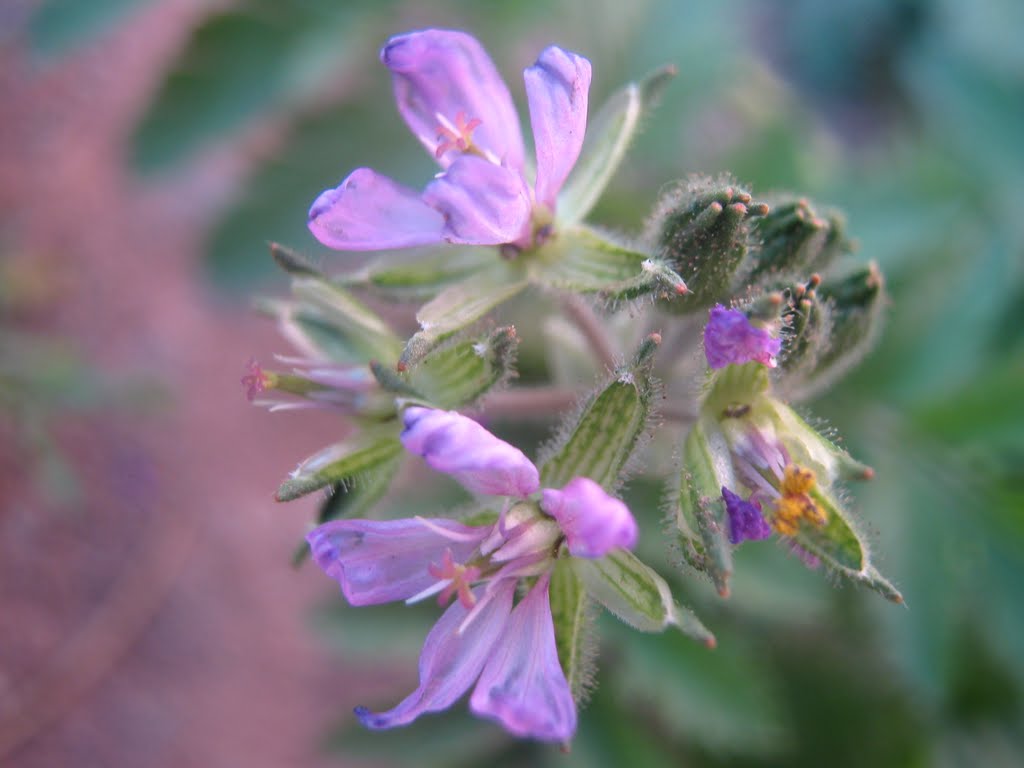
(580, 312)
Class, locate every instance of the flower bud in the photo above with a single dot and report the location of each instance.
(594, 523)
(795, 239)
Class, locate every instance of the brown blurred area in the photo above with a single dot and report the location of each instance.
(154, 620)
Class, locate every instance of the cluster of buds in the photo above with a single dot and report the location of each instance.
(545, 538)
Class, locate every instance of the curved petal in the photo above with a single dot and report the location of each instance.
(450, 661)
(482, 203)
(594, 523)
(439, 74)
(458, 446)
(557, 89)
(378, 561)
(523, 686)
(730, 338)
(370, 212)
(745, 519)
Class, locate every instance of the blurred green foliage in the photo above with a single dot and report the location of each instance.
(908, 115)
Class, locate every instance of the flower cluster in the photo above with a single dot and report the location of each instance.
(508, 651)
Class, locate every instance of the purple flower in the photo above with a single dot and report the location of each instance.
(451, 96)
(729, 338)
(745, 519)
(508, 652)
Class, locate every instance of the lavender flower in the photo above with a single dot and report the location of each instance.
(452, 98)
(730, 338)
(508, 651)
(746, 523)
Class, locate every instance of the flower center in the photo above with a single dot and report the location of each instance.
(459, 578)
(795, 503)
(456, 136)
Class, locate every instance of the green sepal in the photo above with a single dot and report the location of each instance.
(699, 508)
(459, 306)
(608, 137)
(733, 390)
(353, 498)
(424, 278)
(460, 373)
(573, 620)
(293, 262)
(600, 441)
(637, 595)
(343, 462)
(795, 239)
(583, 260)
(702, 230)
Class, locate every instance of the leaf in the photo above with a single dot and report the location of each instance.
(340, 463)
(573, 629)
(608, 137)
(607, 431)
(57, 26)
(459, 374)
(582, 260)
(637, 595)
(458, 307)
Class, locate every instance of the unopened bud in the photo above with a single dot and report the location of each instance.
(795, 239)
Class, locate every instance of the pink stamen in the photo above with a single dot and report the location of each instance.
(458, 136)
(255, 380)
(459, 578)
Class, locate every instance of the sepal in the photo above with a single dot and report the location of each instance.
(460, 373)
(573, 617)
(343, 462)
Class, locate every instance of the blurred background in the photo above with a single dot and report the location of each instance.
(149, 149)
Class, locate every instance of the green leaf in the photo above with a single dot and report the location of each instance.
(459, 374)
(607, 431)
(637, 595)
(58, 26)
(608, 136)
(573, 629)
(424, 277)
(344, 462)
(458, 307)
(583, 260)
(699, 509)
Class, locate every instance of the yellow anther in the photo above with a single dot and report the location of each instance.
(796, 503)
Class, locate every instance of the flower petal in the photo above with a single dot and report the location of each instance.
(746, 523)
(377, 561)
(370, 212)
(557, 89)
(450, 661)
(458, 446)
(440, 73)
(482, 203)
(523, 686)
(729, 338)
(594, 523)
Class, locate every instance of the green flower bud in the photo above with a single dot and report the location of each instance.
(796, 240)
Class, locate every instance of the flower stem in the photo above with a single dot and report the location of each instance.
(580, 312)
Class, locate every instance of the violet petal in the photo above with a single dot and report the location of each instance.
(378, 561)
(729, 338)
(523, 686)
(482, 203)
(746, 523)
(438, 74)
(458, 446)
(557, 89)
(594, 523)
(450, 662)
(369, 212)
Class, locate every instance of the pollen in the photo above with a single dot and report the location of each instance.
(457, 135)
(796, 504)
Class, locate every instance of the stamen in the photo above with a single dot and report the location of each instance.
(458, 136)
(454, 579)
(452, 535)
(796, 503)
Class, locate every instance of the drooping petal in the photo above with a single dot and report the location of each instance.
(450, 661)
(557, 89)
(377, 561)
(746, 523)
(370, 212)
(439, 74)
(458, 446)
(729, 338)
(594, 523)
(482, 203)
(523, 686)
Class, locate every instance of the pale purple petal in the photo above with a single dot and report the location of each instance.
(450, 662)
(370, 212)
(458, 446)
(482, 203)
(729, 338)
(523, 686)
(437, 75)
(594, 523)
(377, 561)
(557, 88)
(746, 523)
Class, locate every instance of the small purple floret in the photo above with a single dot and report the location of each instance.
(746, 523)
(729, 338)
(594, 523)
